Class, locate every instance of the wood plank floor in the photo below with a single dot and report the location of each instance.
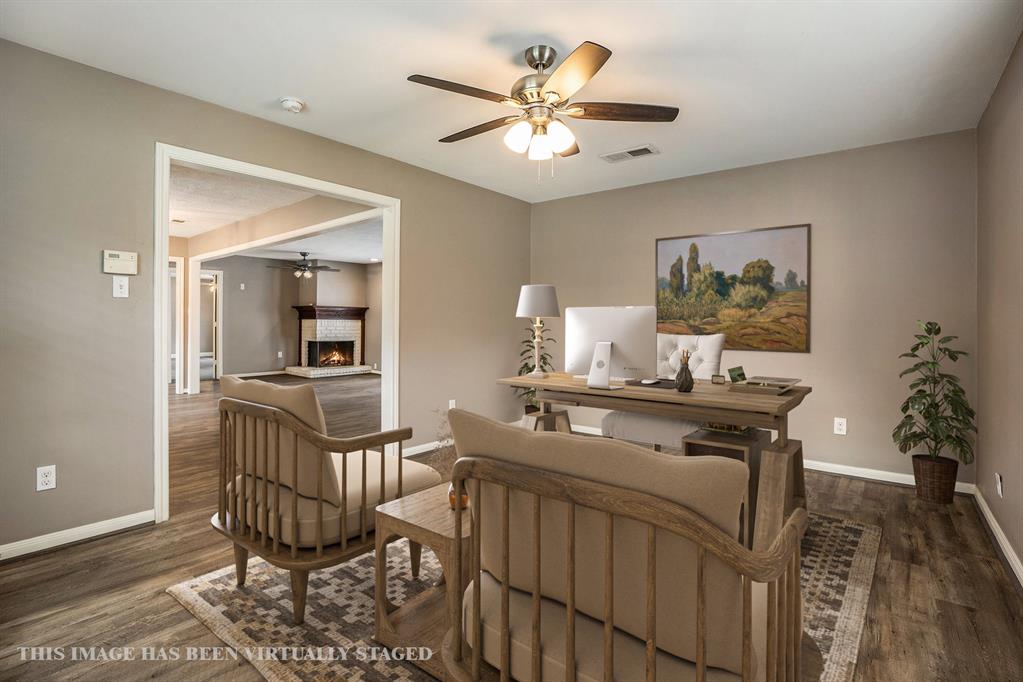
(942, 605)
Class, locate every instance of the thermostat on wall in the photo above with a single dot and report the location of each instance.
(120, 262)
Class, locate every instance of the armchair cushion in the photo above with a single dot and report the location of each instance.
(629, 651)
(301, 402)
(415, 477)
(710, 486)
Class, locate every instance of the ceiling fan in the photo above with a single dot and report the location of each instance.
(541, 97)
(304, 267)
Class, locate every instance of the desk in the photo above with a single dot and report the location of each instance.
(780, 487)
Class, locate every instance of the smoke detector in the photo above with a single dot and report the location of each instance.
(627, 154)
(292, 104)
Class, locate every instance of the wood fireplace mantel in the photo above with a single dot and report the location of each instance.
(330, 312)
(333, 312)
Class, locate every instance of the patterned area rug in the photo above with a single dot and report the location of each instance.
(336, 640)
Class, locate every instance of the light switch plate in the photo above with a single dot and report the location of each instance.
(998, 484)
(840, 426)
(280, 354)
(452, 404)
(120, 286)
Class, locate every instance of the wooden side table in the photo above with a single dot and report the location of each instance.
(744, 446)
(425, 518)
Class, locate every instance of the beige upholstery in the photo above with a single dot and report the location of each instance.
(711, 486)
(301, 402)
(629, 651)
(704, 362)
(415, 477)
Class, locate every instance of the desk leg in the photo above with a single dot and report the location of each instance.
(776, 490)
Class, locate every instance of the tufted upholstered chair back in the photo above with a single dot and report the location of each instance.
(704, 354)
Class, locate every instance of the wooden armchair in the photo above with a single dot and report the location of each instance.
(294, 496)
(584, 546)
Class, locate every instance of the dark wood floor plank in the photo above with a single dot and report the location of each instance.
(942, 605)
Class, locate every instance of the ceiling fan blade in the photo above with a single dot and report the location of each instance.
(282, 267)
(577, 69)
(323, 268)
(620, 111)
(463, 89)
(571, 151)
(481, 128)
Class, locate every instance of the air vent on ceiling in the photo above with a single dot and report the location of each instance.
(634, 153)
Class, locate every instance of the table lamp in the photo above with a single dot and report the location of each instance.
(537, 301)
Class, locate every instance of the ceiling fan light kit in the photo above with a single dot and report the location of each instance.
(304, 267)
(540, 97)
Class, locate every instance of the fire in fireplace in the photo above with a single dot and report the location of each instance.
(331, 353)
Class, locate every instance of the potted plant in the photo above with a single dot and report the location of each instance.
(527, 362)
(936, 415)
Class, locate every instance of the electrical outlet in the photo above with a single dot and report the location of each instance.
(280, 354)
(46, 477)
(452, 404)
(998, 484)
(840, 426)
(241, 285)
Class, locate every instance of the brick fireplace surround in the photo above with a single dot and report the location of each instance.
(330, 323)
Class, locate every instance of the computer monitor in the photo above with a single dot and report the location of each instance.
(631, 331)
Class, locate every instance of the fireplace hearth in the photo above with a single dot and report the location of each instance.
(331, 353)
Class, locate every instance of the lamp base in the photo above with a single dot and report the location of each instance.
(537, 374)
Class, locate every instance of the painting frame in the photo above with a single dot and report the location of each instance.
(808, 278)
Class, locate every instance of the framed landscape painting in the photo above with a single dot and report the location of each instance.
(753, 287)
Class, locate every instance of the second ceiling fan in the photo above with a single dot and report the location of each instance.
(304, 267)
(541, 97)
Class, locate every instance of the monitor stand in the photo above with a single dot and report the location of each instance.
(600, 368)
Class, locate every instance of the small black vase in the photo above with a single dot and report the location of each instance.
(684, 379)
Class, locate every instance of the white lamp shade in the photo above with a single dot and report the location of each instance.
(538, 300)
(540, 148)
(561, 137)
(518, 136)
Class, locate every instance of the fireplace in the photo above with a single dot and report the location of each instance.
(331, 353)
(332, 341)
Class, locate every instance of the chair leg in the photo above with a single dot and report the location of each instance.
(657, 447)
(299, 586)
(241, 563)
(415, 551)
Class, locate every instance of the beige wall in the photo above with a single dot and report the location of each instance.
(93, 135)
(893, 240)
(259, 320)
(374, 318)
(1000, 286)
(345, 287)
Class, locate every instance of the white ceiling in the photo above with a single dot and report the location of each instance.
(755, 81)
(357, 243)
(207, 199)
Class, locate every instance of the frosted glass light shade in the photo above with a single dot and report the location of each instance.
(540, 148)
(538, 300)
(518, 136)
(307, 274)
(298, 273)
(560, 136)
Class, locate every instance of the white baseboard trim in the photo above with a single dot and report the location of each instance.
(63, 537)
(876, 474)
(1000, 537)
(247, 375)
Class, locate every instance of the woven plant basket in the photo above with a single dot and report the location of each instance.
(935, 478)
